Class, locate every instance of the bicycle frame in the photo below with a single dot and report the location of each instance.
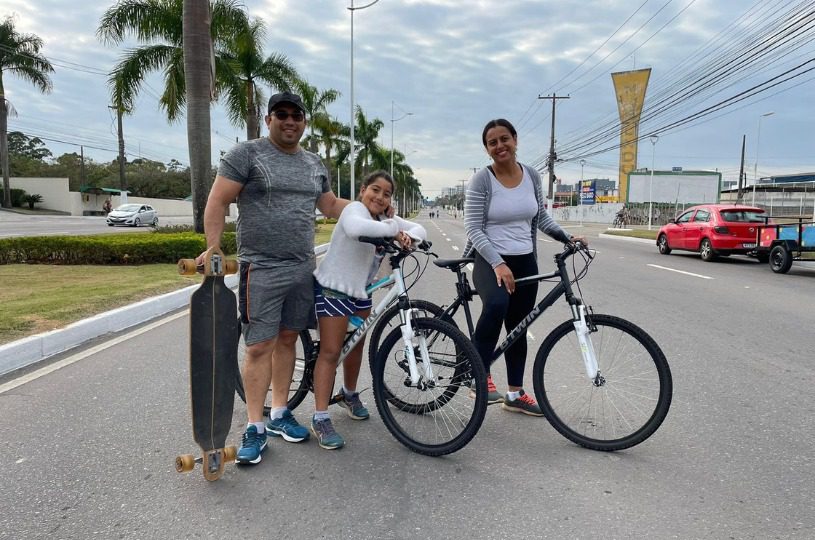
(398, 292)
(581, 322)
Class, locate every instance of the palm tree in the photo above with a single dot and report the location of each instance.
(242, 66)
(329, 134)
(315, 101)
(20, 55)
(159, 24)
(198, 76)
(365, 135)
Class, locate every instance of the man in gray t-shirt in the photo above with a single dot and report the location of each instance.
(278, 185)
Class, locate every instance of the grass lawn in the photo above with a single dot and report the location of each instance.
(38, 298)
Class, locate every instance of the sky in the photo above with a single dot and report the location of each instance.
(456, 64)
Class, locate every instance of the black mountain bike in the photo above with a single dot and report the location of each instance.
(601, 381)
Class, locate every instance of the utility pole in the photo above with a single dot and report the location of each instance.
(122, 180)
(741, 171)
(552, 155)
(81, 165)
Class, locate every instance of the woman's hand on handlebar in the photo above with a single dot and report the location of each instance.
(581, 239)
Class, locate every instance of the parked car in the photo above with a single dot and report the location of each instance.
(713, 230)
(133, 215)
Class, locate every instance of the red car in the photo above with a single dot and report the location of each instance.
(713, 229)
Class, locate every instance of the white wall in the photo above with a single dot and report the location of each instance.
(690, 188)
(56, 196)
(53, 191)
(595, 213)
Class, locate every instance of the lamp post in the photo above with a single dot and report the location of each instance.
(580, 192)
(654, 139)
(393, 121)
(758, 138)
(352, 9)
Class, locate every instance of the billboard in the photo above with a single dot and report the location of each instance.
(629, 88)
(588, 191)
(688, 187)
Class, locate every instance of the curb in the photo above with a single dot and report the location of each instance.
(627, 238)
(33, 349)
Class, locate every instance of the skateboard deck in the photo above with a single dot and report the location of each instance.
(214, 335)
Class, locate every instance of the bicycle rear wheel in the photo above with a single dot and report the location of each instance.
(302, 379)
(436, 416)
(620, 409)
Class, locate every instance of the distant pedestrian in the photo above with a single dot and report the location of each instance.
(107, 207)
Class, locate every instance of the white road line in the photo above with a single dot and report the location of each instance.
(470, 267)
(84, 354)
(448, 239)
(455, 248)
(678, 271)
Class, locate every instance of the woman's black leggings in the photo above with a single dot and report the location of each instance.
(499, 307)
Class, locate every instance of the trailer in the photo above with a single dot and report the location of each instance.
(780, 244)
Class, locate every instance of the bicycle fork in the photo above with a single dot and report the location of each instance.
(407, 340)
(582, 330)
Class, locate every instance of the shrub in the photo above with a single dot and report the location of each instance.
(108, 248)
(17, 197)
(32, 200)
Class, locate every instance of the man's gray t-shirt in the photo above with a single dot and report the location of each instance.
(277, 202)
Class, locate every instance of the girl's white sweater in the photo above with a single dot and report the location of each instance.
(347, 265)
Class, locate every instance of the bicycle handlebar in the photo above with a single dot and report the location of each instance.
(387, 243)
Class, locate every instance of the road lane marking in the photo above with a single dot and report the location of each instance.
(455, 248)
(11, 385)
(678, 271)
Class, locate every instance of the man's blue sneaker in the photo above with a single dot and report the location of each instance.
(352, 404)
(326, 436)
(287, 427)
(252, 447)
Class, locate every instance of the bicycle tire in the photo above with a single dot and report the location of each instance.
(302, 379)
(628, 405)
(390, 320)
(454, 417)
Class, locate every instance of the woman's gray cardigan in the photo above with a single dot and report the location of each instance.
(476, 203)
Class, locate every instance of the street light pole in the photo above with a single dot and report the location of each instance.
(580, 193)
(353, 121)
(393, 121)
(654, 139)
(758, 138)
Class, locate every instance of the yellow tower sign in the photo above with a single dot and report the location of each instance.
(629, 87)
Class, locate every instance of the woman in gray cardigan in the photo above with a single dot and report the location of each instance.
(503, 209)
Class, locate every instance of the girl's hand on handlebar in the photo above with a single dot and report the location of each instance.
(404, 240)
(505, 278)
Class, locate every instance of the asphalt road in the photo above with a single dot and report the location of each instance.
(13, 224)
(89, 448)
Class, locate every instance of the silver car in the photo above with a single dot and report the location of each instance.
(133, 215)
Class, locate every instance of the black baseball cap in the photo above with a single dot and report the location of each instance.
(286, 97)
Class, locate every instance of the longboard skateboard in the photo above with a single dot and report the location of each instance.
(214, 336)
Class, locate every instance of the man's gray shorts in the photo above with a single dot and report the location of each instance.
(275, 298)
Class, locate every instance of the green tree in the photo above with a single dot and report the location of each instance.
(160, 25)
(242, 66)
(365, 134)
(19, 55)
(19, 144)
(315, 102)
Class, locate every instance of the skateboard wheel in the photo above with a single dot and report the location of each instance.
(231, 267)
(230, 453)
(186, 267)
(185, 463)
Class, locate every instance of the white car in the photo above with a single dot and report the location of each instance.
(133, 215)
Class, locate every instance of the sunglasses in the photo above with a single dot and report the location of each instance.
(284, 115)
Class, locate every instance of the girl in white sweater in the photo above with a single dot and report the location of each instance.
(348, 267)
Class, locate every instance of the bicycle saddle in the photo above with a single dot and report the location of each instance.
(453, 264)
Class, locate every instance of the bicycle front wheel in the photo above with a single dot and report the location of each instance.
(620, 408)
(302, 380)
(435, 416)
